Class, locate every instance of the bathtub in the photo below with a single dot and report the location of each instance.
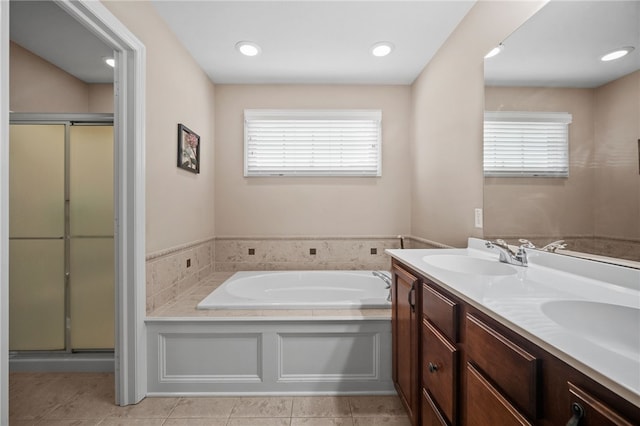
(300, 290)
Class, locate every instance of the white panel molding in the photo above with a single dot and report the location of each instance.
(187, 372)
(212, 339)
(327, 377)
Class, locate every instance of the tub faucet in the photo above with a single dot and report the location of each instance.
(384, 277)
(507, 254)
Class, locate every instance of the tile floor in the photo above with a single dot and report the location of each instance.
(84, 399)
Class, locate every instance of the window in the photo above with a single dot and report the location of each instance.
(312, 142)
(526, 144)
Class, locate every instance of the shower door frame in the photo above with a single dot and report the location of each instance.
(129, 197)
(67, 120)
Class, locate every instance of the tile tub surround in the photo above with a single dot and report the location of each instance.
(170, 280)
(303, 253)
(168, 275)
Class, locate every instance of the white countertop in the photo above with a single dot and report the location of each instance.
(591, 335)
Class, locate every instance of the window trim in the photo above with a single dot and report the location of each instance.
(314, 114)
(561, 120)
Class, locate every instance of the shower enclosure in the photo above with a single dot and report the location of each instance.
(61, 224)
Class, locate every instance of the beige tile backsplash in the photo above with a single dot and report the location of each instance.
(168, 276)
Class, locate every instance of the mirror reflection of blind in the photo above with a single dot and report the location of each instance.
(526, 144)
(313, 142)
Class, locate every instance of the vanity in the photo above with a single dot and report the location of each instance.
(481, 342)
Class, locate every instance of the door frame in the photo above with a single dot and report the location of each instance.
(129, 197)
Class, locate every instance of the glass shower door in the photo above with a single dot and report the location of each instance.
(91, 260)
(36, 237)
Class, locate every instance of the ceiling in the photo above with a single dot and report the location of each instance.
(562, 44)
(328, 42)
(43, 28)
(312, 42)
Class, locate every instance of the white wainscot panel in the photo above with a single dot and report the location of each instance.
(260, 357)
(210, 357)
(328, 356)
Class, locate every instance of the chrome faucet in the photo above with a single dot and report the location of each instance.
(384, 277)
(552, 247)
(507, 254)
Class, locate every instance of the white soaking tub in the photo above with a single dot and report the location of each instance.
(300, 290)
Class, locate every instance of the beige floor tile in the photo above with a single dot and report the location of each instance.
(96, 403)
(373, 406)
(321, 421)
(148, 408)
(68, 422)
(257, 421)
(204, 407)
(195, 422)
(381, 421)
(263, 407)
(131, 422)
(321, 406)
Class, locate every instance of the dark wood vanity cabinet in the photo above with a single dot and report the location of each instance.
(405, 369)
(455, 365)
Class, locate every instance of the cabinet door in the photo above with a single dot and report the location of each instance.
(405, 340)
(486, 406)
(589, 411)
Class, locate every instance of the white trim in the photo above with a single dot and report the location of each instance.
(129, 195)
(4, 212)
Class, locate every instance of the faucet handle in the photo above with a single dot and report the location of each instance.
(526, 243)
(552, 247)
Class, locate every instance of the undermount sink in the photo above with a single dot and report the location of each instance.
(614, 327)
(469, 265)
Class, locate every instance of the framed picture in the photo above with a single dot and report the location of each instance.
(188, 149)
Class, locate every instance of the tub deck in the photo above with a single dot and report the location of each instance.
(265, 352)
(184, 306)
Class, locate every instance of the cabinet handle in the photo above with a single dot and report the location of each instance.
(413, 289)
(432, 367)
(578, 413)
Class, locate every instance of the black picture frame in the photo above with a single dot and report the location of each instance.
(188, 149)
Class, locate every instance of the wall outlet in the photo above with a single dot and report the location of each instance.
(478, 218)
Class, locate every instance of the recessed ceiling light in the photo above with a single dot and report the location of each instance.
(616, 54)
(493, 52)
(248, 48)
(381, 49)
(110, 61)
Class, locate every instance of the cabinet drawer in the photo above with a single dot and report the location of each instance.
(439, 368)
(430, 413)
(595, 412)
(513, 370)
(442, 311)
(486, 406)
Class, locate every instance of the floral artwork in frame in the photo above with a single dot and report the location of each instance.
(188, 149)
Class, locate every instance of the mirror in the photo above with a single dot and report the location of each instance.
(552, 64)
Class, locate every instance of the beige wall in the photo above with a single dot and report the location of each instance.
(39, 86)
(617, 178)
(447, 121)
(531, 207)
(179, 204)
(275, 206)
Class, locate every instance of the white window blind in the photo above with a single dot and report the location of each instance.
(526, 144)
(312, 142)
